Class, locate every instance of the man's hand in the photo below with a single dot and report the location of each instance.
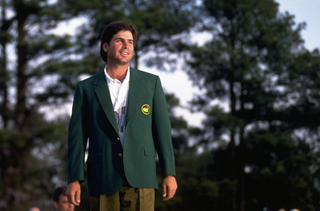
(169, 185)
(73, 193)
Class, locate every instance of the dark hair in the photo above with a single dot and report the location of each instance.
(58, 192)
(112, 29)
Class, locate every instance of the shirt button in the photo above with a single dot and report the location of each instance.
(120, 155)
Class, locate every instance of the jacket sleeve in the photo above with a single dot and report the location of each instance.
(162, 131)
(78, 133)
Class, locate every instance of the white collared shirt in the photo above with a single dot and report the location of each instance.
(119, 95)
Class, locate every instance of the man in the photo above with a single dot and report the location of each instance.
(60, 200)
(123, 113)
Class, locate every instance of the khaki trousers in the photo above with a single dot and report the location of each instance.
(127, 199)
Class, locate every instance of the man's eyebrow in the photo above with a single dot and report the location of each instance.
(121, 38)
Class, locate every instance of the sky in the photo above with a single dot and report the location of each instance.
(178, 81)
(305, 11)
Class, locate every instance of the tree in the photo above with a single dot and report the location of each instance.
(29, 166)
(245, 66)
(281, 172)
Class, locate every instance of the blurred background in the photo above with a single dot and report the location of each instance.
(242, 84)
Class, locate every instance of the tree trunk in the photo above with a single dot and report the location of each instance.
(4, 72)
(232, 140)
(21, 75)
(234, 167)
(241, 174)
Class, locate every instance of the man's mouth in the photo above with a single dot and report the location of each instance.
(124, 53)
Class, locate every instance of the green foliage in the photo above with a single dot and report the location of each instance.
(32, 149)
(12, 139)
(281, 168)
(30, 164)
(199, 195)
(196, 190)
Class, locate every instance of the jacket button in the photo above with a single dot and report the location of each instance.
(118, 138)
(120, 155)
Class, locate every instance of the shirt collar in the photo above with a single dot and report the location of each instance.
(109, 79)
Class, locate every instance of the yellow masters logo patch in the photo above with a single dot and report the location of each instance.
(145, 108)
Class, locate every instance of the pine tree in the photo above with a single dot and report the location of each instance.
(30, 168)
(245, 70)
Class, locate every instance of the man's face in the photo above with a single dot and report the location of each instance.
(120, 49)
(63, 204)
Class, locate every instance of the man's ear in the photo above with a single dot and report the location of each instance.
(105, 46)
(55, 204)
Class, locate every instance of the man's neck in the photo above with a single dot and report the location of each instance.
(118, 72)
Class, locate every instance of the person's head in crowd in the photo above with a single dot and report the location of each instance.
(60, 200)
(34, 209)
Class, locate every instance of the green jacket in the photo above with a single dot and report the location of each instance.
(148, 131)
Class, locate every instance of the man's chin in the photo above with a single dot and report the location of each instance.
(124, 62)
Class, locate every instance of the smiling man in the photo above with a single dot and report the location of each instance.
(123, 113)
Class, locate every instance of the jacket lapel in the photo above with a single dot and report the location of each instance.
(103, 94)
(133, 96)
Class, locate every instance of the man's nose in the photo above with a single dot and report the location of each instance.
(125, 44)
